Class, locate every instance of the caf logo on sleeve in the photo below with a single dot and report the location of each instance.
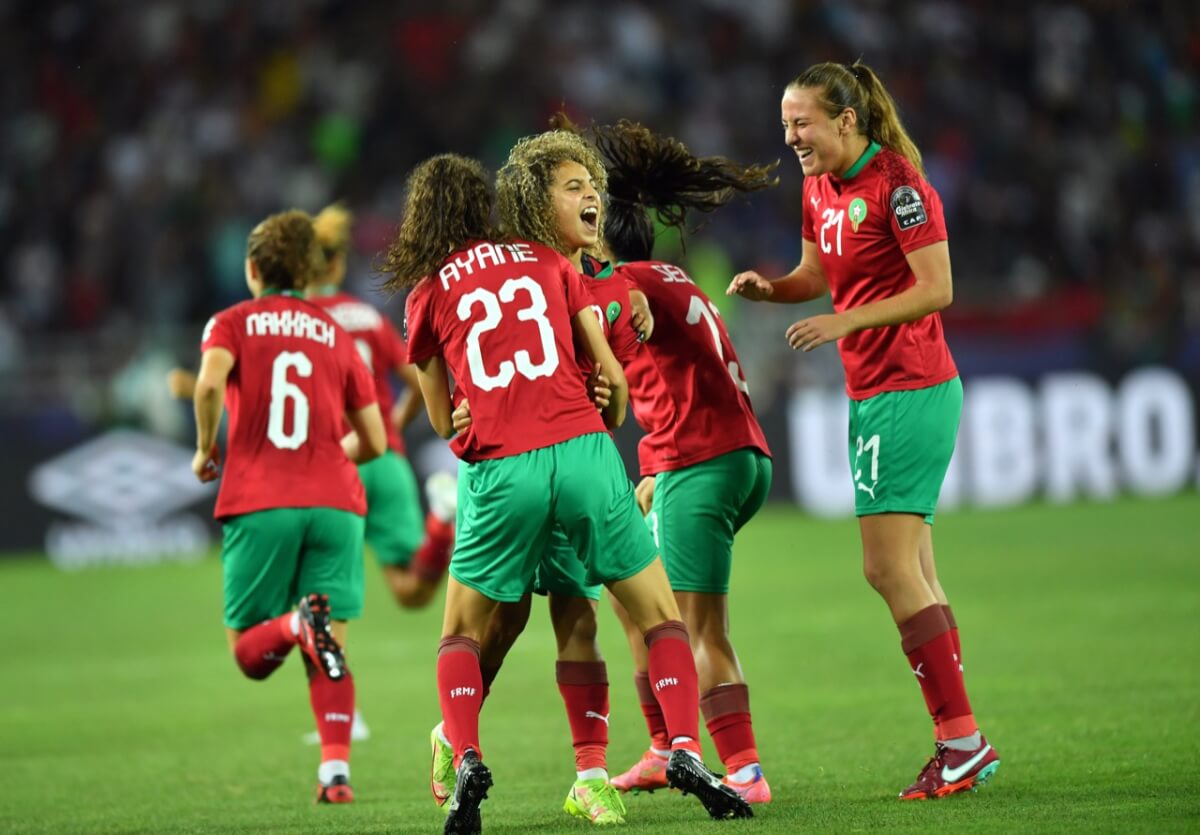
(908, 208)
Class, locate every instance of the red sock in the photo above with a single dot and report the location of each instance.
(655, 723)
(672, 672)
(262, 648)
(431, 559)
(584, 689)
(460, 691)
(925, 639)
(726, 711)
(953, 633)
(333, 708)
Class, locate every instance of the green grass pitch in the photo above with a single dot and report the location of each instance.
(122, 712)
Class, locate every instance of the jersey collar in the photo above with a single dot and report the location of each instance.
(275, 291)
(867, 155)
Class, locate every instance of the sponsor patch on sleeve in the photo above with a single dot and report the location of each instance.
(908, 208)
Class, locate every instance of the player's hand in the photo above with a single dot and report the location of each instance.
(750, 285)
(599, 389)
(460, 418)
(644, 493)
(207, 465)
(181, 383)
(640, 316)
(817, 330)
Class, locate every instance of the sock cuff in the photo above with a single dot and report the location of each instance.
(724, 699)
(922, 627)
(581, 672)
(458, 643)
(667, 629)
(949, 616)
(641, 682)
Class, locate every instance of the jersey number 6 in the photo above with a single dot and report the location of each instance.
(283, 390)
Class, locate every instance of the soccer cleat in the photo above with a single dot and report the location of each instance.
(441, 769)
(595, 800)
(441, 490)
(335, 791)
(686, 773)
(316, 636)
(754, 790)
(471, 786)
(949, 771)
(646, 775)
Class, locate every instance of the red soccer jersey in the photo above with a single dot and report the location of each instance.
(686, 384)
(295, 375)
(610, 302)
(882, 209)
(500, 315)
(379, 345)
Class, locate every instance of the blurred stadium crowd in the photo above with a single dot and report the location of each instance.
(141, 141)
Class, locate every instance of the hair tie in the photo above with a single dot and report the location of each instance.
(853, 70)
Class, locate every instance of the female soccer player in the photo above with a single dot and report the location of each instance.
(875, 238)
(705, 464)
(413, 565)
(548, 193)
(500, 317)
(290, 502)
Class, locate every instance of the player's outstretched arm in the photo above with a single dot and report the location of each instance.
(368, 441)
(591, 337)
(435, 388)
(208, 400)
(803, 284)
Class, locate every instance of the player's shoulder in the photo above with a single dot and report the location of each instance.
(893, 170)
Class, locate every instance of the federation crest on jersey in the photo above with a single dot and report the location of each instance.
(612, 311)
(857, 212)
(908, 208)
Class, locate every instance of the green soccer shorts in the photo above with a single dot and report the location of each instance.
(900, 448)
(395, 526)
(272, 558)
(696, 512)
(507, 508)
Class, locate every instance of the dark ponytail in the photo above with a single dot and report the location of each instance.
(648, 172)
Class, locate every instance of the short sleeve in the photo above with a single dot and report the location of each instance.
(578, 296)
(220, 332)
(360, 385)
(807, 227)
(915, 211)
(422, 340)
(622, 338)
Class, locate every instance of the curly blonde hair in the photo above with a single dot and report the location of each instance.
(523, 184)
(448, 205)
(284, 248)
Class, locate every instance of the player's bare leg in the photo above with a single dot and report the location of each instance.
(893, 565)
(724, 696)
(648, 599)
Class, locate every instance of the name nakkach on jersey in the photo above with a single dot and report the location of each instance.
(484, 255)
(291, 323)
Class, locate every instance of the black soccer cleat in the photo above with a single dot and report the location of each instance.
(335, 791)
(471, 786)
(316, 636)
(691, 776)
